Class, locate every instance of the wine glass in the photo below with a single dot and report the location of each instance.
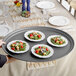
(45, 14)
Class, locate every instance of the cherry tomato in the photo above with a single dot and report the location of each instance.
(46, 49)
(40, 47)
(31, 34)
(14, 43)
(13, 48)
(21, 46)
(61, 42)
(39, 36)
(36, 51)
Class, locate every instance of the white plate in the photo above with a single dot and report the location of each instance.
(45, 5)
(59, 20)
(1, 12)
(4, 30)
(33, 51)
(30, 31)
(9, 48)
(49, 40)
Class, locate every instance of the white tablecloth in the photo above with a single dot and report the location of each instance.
(66, 66)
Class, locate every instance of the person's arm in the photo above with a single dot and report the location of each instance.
(5, 59)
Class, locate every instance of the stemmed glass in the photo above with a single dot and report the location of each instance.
(45, 14)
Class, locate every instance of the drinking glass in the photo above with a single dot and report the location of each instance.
(45, 14)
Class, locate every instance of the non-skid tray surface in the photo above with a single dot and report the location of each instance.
(19, 35)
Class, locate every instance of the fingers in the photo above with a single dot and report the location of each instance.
(3, 42)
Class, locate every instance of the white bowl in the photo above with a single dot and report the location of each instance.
(50, 48)
(28, 32)
(49, 41)
(9, 48)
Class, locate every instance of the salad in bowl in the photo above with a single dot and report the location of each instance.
(57, 40)
(34, 35)
(42, 51)
(18, 46)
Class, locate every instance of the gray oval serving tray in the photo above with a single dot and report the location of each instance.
(19, 35)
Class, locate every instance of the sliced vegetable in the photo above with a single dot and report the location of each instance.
(35, 36)
(42, 50)
(13, 48)
(18, 46)
(37, 51)
(57, 40)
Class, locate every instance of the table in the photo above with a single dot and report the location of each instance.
(65, 66)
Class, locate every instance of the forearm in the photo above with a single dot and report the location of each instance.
(5, 59)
